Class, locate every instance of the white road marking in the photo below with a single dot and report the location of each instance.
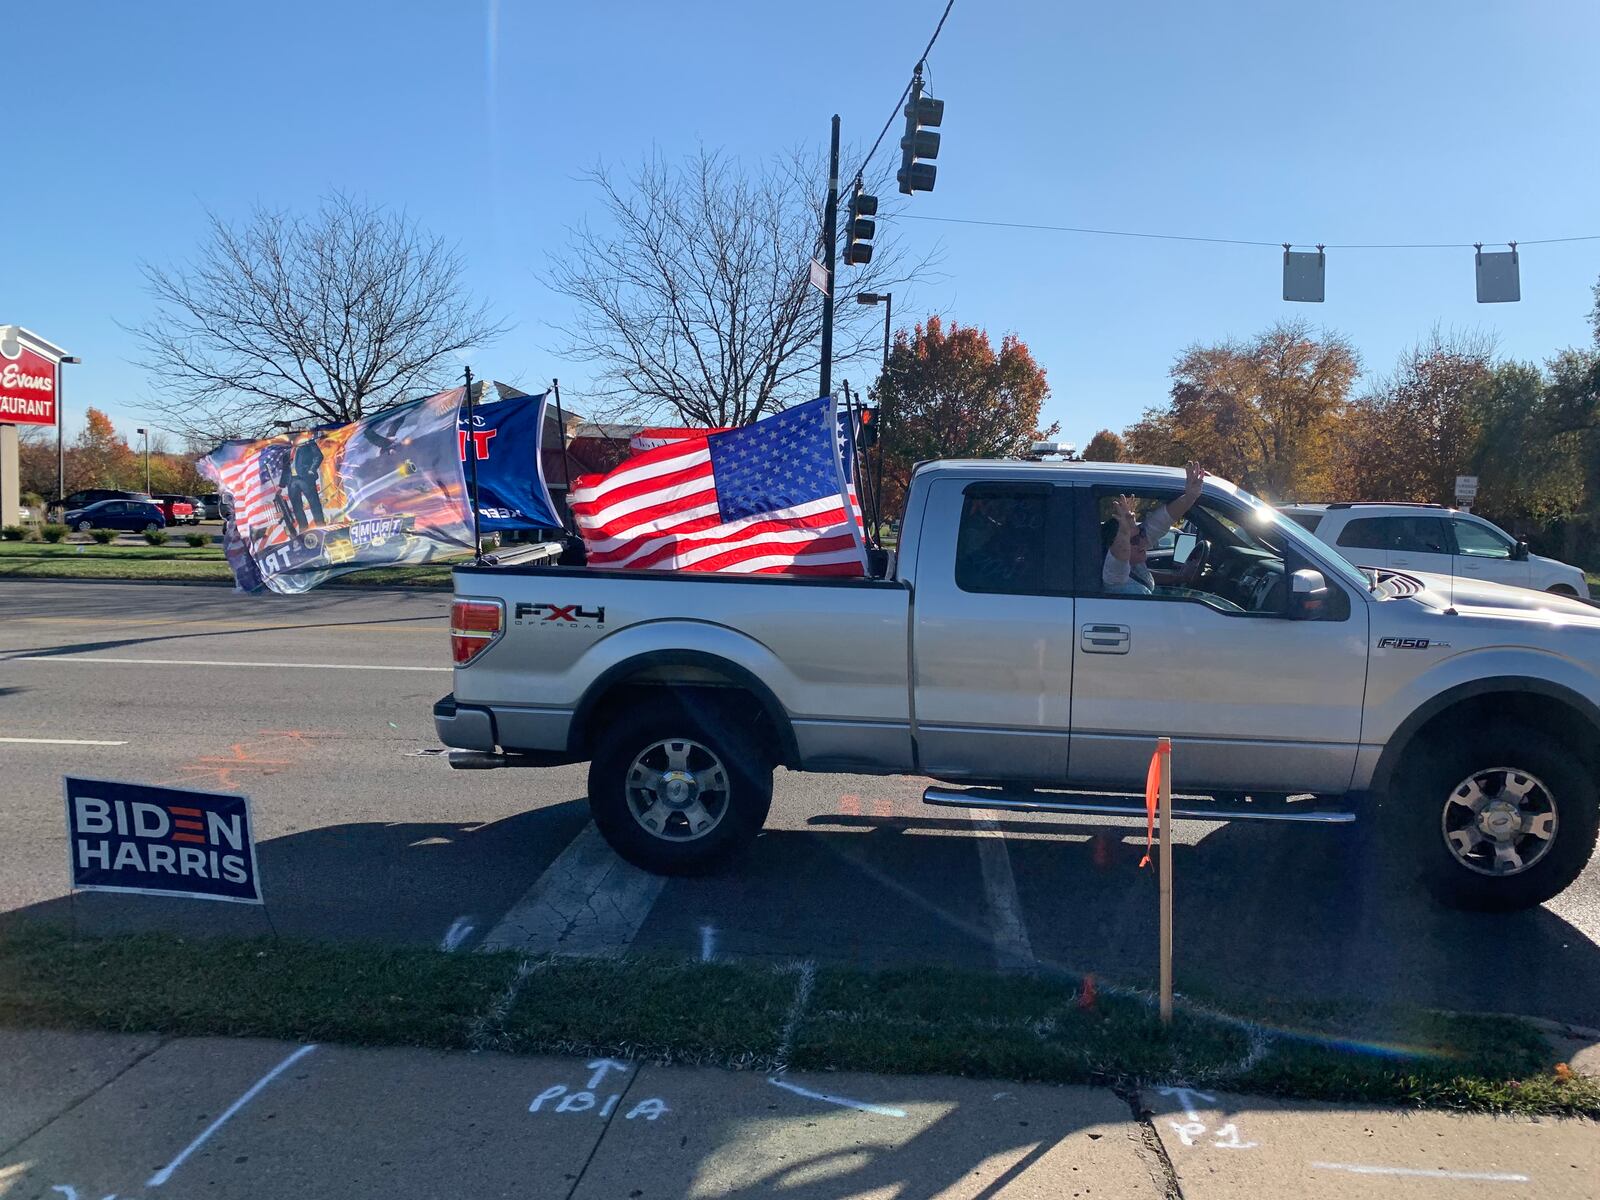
(211, 662)
(708, 942)
(1012, 948)
(460, 930)
(1424, 1172)
(59, 742)
(882, 1110)
(161, 1176)
(587, 902)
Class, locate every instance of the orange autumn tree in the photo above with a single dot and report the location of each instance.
(948, 393)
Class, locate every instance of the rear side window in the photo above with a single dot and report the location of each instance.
(1364, 533)
(1008, 543)
(1419, 535)
(1306, 521)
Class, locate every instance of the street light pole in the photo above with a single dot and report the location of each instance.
(830, 237)
(146, 433)
(61, 450)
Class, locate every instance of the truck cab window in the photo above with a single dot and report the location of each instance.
(1214, 557)
(1003, 544)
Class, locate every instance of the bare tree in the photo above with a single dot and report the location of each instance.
(697, 301)
(314, 319)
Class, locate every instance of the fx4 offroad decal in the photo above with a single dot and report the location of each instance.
(564, 615)
(1396, 643)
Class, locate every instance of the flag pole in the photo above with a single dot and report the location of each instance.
(1164, 749)
(472, 472)
(566, 464)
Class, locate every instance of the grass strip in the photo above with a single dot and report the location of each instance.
(78, 550)
(907, 1021)
(180, 570)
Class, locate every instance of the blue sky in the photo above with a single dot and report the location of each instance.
(1338, 122)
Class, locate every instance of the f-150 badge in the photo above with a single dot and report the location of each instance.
(1395, 643)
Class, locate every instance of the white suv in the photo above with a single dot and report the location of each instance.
(1430, 537)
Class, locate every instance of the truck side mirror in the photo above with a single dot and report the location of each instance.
(1308, 595)
(1519, 552)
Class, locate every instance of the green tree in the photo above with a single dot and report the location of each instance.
(1262, 412)
(948, 393)
(1105, 446)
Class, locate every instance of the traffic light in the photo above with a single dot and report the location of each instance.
(860, 228)
(868, 435)
(923, 114)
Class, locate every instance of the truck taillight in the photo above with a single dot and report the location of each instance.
(474, 627)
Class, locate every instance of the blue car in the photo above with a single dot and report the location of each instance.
(134, 516)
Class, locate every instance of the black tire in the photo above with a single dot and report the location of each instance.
(152, 527)
(716, 730)
(1422, 806)
(85, 526)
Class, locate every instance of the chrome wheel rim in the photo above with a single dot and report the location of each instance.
(678, 790)
(1500, 821)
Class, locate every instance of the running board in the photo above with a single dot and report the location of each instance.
(1060, 802)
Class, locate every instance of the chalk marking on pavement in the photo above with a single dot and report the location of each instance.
(161, 1176)
(1424, 1173)
(1186, 1098)
(1013, 949)
(58, 742)
(211, 662)
(460, 930)
(882, 1110)
(708, 942)
(587, 902)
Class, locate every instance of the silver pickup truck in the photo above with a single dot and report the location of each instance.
(1461, 717)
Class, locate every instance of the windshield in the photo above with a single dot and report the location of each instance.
(1279, 532)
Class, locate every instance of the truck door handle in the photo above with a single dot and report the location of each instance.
(1106, 639)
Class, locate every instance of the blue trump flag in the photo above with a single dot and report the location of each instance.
(505, 437)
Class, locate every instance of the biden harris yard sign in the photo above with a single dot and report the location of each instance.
(127, 837)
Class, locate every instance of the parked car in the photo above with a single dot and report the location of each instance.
(132, 516)
(1462, 720)
(1430, 537)
(211, 506)
(178, 510)
(90, 496)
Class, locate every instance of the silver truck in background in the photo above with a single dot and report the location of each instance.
(1462, 716)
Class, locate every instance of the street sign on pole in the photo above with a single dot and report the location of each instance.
(819, 277)
(1466, 490)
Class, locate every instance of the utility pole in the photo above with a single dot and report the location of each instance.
(830, 232)
(146, 434)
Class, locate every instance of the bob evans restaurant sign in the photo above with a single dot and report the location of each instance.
(27, 382)
(126, 837)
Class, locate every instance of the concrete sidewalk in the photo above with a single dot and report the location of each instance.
(91, 1116)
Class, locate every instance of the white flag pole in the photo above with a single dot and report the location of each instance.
(844, 487)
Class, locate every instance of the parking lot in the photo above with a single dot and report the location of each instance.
(318, 708)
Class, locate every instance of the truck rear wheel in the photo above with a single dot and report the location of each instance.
(1498, 819)
(678, 793)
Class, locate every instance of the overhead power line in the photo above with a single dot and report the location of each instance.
(1222, 241)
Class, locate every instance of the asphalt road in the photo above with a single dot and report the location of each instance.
(317, 707)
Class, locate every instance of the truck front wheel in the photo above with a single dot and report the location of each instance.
(1500, 820)
(678, 793)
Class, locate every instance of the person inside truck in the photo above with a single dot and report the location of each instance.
(1127, 540)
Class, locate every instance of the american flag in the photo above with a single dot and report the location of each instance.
(252, 486)
(768, 498)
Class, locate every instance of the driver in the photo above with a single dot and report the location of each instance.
(1127, 541)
